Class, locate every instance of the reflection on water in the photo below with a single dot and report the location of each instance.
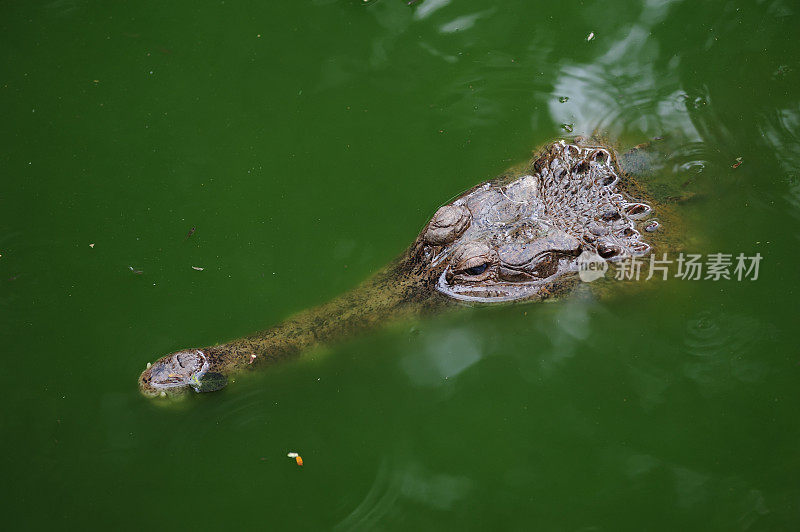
(441, 356)
(724, 345)
(567, 332)
(626, 88)
(428, 7)
(695, 490)
(650, 383)
(622, 90)
(402, 483)
(781, 128)
(464, 22)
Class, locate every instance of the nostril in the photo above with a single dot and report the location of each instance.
(600, 156)
(637, 210)
(581, 167)
(608, 250)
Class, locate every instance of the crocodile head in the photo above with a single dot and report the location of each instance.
(517, 238)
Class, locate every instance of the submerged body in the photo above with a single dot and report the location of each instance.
(517, 237)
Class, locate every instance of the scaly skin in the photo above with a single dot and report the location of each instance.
(514, 238)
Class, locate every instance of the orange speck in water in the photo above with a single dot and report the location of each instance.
(299, 460)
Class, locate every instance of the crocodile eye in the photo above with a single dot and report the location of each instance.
(472, 262)
(477, 270)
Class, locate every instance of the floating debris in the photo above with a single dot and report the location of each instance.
(297, 458)
(190, 233)
(91, 246)
(252, 359)
(137, 272)
(198, 268)
(738, 163)
(590, 37)
(563, 99)
(781, 71)
(567, 127)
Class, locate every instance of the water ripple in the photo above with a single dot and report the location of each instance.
(726, 344)
(398, 483)
(621, 89)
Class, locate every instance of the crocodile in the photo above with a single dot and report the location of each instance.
(518, 237)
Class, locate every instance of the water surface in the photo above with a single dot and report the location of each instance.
(308, 142)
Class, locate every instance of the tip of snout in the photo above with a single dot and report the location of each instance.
(175, 374)
(148, 389)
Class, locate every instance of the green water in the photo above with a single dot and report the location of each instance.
(308, 142)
